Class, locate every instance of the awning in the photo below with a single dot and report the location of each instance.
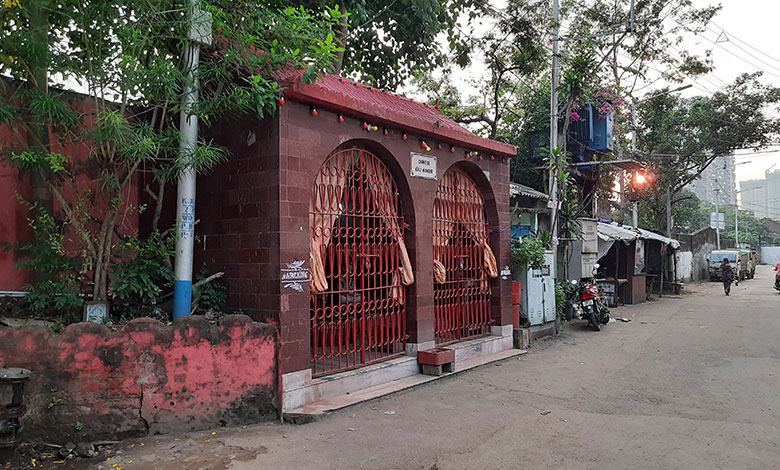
(615, 232)
(648, 235)
(609, 234)
(604, 246)
(521, 190)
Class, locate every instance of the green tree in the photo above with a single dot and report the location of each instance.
(385, 42)
(512, 53)
(126, 57)
(680, 137)
(629, 46)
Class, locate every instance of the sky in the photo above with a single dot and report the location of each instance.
(750, 26)
(748, 45)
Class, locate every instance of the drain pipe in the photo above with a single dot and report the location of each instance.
(199, 33)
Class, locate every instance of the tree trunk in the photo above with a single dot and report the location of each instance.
(103, 258)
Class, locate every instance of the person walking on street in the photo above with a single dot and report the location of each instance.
(727, 274)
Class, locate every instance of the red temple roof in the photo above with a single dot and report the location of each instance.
(388, 109)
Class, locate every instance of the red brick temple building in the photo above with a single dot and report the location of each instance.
(367, 226)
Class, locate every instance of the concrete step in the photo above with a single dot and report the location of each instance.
(316, 410)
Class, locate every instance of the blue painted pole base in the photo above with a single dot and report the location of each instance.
(182, 298)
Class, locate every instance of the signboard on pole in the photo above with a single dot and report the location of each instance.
(718, 220)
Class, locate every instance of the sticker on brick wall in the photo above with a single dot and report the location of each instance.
(294, 275)
(505, 273)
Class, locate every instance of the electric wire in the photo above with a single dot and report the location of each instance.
(731, 35)
(734, 54)
(745, 51)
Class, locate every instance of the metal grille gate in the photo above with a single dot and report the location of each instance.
(463, 260)
(359, 264)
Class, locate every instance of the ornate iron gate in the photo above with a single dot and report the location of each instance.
(359, 263)
(463, 260)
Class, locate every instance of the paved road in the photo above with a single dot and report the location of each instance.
(692, 382)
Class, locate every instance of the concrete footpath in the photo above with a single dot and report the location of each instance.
(692, 382)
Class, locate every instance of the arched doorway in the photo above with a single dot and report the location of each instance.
(359, 263)
(462, 260)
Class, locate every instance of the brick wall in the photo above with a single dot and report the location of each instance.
(238, 208)
(306, 141)
(144, 377)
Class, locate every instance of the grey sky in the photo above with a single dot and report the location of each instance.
(750, 26)
(748, 46)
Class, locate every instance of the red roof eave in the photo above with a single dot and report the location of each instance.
(391, 111)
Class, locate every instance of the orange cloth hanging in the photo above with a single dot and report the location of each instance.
(329, 186)
(458, 186)
(323, 211)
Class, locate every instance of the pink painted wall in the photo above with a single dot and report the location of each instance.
(13, 216)
(145, 377)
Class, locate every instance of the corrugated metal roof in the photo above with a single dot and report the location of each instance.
(388, 109)
(616, 232)
(516, 189)
(648, 235)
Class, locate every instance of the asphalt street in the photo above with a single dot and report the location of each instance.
(691, 382)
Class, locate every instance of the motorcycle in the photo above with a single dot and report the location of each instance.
(591, 306)
(777, 281)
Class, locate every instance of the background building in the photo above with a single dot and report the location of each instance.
(762, 197)
(717, 180)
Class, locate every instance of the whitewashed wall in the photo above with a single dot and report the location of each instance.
(684, 266)
(770, 255)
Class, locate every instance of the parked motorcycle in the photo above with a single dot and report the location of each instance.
(777, 281)
(591, 306)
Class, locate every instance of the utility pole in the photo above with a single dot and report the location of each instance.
(736, 223)
(554, 132)
(634, 208)
(199, 23)
(717, 216)
(668, 212)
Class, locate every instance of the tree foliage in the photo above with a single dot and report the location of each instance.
(126, 57)
(680, 137)
(692, 214)
(386, 42)
(513, 54)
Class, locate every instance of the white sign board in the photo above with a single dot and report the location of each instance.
(718, 220)
(423, 166)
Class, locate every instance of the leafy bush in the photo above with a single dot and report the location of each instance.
(528, 252)
(60, 276)
(213, 295)
(560, 298)
(563, 292)
(140, 271)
